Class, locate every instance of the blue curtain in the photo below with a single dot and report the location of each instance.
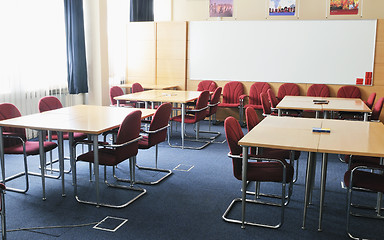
(76, 58)
(141, 10)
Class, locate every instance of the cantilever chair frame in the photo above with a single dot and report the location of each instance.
(132, 163)
(2, 212)
(284, 200)
(378, 208)
(169, 172)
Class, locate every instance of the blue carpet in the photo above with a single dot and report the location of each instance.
(187, 205)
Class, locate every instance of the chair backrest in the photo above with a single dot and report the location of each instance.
(371, 100)
(318, 90)
(233, 134)
(129, 130)
(376, 111)
(251, 118)
(49, 103)
(348, 92)
(201, 102)
(7, 111)
(207, 85)
(159, 120)
(214, 101)
(115, 91)
(232, 91)
(272, 98)
(288, 89)
(265, 103)
(255, 90)
(136, 87)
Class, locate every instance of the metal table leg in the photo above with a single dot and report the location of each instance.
(244, 185)
(42, 160)
(322, 190)
(182, 124)
(308, 184)
(61, 160)
(96, 170)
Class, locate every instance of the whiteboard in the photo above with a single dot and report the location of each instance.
(297, 51)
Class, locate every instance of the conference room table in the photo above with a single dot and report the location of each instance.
(172, 96)
(92, 120)
(330, 104)
(128, 86)
(345, 137)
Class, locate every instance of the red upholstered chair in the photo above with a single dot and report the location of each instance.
(2, 212)
(369, 178)
(370, 100)
(252, 120)
(51, 103)
(272, 98)
(376, 111)
(15, 142)
(125, 147)
(266, 105)
(156, 134)
(116, 91)
(136, 87)
(349, 92)
(207, 85)
(254, 100)
(265, 169)
(318, 90)
(194, 116)
(288, 89)
(232, 92)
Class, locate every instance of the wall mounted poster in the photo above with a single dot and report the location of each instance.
(220, 8)
(282, 7)
(344, 7)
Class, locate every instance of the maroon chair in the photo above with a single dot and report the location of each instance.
(370, 100)
(116, 91)
(232, 92)
(266, 169)
(51, 103)
(194, 116)
(156, 134)
(272, 98)
(266, 105)
(288, 89)
(15, 142)
(207, 85)
(318, 90)
(376, 110)
(136, 87)
(366, 178)
(125, 147)
(348, 92)
(252, 120)
(254, 95)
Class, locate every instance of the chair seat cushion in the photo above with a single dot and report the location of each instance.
(268, 172)
(362, 160)
(106, 157)
(254, 106)
(229, 105)
(31, 148)
(188, 119)
(76, 136)
(367, 180)
(144, 143)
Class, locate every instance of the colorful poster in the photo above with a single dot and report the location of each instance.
(344, 7)
(282, 7)
(220, 8)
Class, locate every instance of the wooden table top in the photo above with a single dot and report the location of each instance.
(334, 104)
(353, 137)
(346, 137)
(81, 118)
(150, 86)
(284, 133)
(174, 96)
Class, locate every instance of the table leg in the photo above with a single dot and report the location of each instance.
(325, 114)
(322, 190)
(308, 184)
(61, 161)
(182, 124)
(96, 166)
(279, 112)
(2, 155)
(244, 184)
(118, 103)
(317, 114)
(365, 116)
(42, 160)
(72, 157)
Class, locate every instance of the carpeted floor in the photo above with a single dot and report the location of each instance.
(187, 205)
